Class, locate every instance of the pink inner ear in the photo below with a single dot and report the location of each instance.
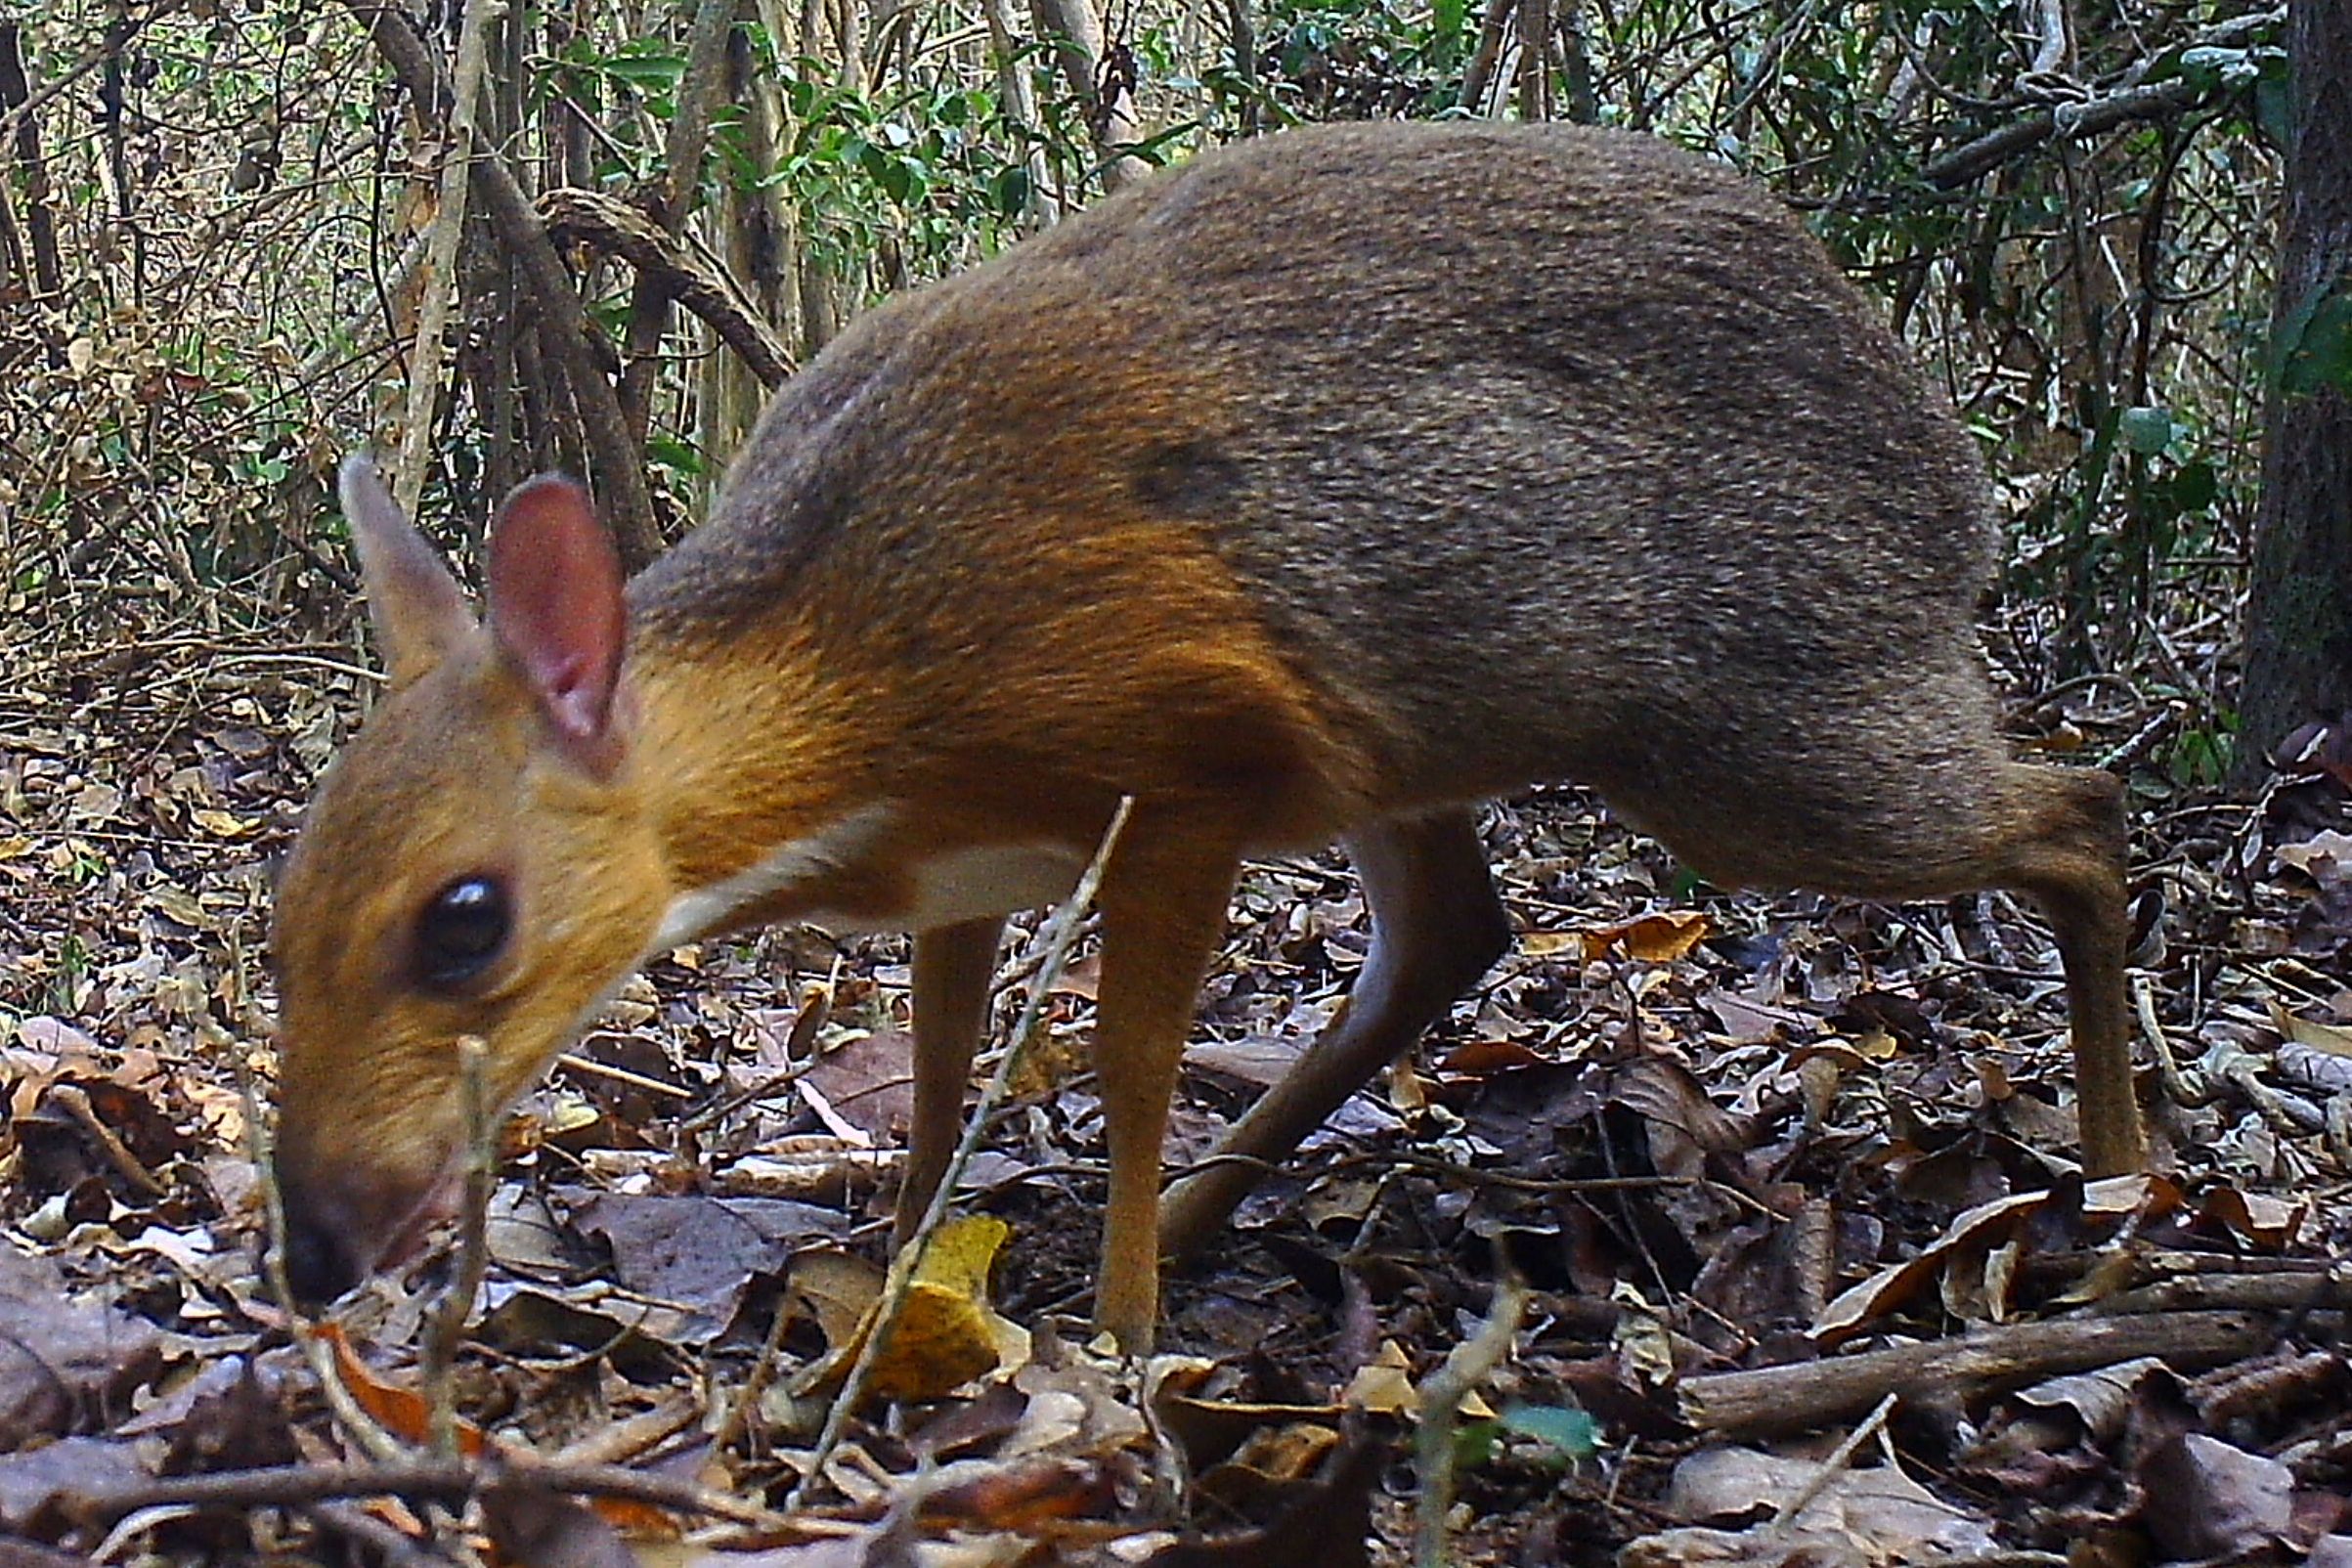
(555, 603)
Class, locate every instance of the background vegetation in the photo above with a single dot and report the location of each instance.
(228, 244)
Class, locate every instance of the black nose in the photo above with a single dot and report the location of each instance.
(321, 1263)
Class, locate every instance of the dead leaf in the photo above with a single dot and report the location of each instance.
(1869, 1518)
(2207, 1499)
(946, 1334)
(1657, 938)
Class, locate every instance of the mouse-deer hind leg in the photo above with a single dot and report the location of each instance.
(2068, 855)
(1437, 927)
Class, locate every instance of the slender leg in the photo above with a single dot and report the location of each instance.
(1437, 926)
(2055, 834)
(2070, 860)
(1163, 904)
(953, 965)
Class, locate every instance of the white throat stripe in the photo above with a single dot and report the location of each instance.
(838, 844)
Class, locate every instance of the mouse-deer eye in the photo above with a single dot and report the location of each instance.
(463, 930)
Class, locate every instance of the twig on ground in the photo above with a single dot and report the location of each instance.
(747, 1401)
(1442, 1393)
(447, 1329)
(1772, 1400)
(573, 1062)
(640, 1433)
(2180, 1088)
(419, 1478)
(396, 1548)
(1840, 1460)
(76, 1104)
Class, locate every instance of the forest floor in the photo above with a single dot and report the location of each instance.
(1715, 1136)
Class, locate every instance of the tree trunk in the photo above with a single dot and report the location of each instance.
(2298, 615)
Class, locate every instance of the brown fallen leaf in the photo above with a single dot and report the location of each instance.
(1653, 939)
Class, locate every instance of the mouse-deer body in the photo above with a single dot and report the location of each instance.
(1316, 490)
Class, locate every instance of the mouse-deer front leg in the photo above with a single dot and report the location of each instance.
(953, 968)
(1164, 903)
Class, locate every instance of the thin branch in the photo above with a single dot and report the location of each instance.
(1838, 1464)
(441, 263)
(1991, 151)
(447, 1331)
(682, 157)
(613, 226)
(1481, 69)
(1441, 1396)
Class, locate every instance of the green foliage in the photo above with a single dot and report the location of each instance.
(1335, 59)
(640, 67)
(2098, 308)
(2200, 756)
(2255, 69)
(2313, 348)
(1553, 1436)
(922, 177)
(1571, 1433)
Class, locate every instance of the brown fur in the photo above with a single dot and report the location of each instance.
(1310, 490)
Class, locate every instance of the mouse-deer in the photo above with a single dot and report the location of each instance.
(1313, 491)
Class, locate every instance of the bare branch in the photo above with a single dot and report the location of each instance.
(1996, 148)
(681, 154)
(441, 263)
(612, 225)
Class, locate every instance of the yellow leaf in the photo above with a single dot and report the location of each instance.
(1383, 1385)
(2318, 1036)
(943, 1341)
(962, 1251)
(946, 1334)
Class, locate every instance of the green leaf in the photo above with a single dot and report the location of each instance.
(679, 457)
(906, 180)
(2194, 488)
(1573, 1432)
(2146, 431)
(1474, 1443)
(649, 67)
(1010, 190)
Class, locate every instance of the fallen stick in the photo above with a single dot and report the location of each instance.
(1777, 1400)
(426, 1479)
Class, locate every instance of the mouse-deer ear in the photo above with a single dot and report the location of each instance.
(556, 607)
(419, 610)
